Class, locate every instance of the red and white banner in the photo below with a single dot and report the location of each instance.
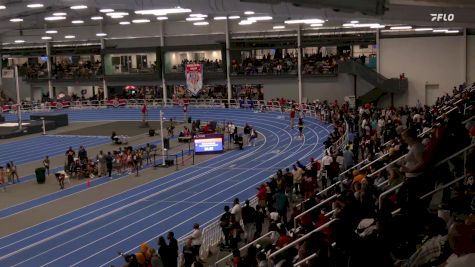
(194, 78)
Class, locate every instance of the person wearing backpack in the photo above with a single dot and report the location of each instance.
(247, 213)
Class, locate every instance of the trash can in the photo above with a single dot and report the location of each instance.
(166, 143)
(40, 175)
(151, 132)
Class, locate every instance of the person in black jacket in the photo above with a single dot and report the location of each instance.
(247, 214)
(224, 223)
(163, 251)
(173, 249)
(109, 160)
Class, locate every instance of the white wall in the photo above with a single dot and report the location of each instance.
(471, 58)
(9, 88)
(424, 60)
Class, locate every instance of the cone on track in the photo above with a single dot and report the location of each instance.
(88, 183)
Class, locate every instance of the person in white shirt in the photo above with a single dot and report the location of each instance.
(298, 173)
(236, 210)
(326, 161)
(196, 239)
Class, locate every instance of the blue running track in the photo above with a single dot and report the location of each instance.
(92, 235)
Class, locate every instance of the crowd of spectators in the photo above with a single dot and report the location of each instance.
(63, 70)
(209, 65)
(362, 234)
(315, 64)
(8, 175)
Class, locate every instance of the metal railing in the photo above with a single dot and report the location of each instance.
(313, 208)
(244, 247)
(324, 226)
(314, 255)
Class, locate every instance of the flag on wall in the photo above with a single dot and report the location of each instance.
(194, 78)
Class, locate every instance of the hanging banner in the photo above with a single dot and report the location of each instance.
(194, 78)
(8, 73)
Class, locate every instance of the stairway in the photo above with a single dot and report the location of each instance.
(382, 85)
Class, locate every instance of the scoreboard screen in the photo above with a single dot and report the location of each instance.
(209, 143)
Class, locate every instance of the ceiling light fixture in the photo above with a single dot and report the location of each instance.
(111, 14)
(316, 25)
(163, 11)
(140, 21)
(19, 41)
(194, 19)
(278, 27)
(377, 26)
(62, 14)
(16, 20)
(162, 18)
(55, 18)
(246, 22)
(201, 23)
(35, 5)
(259, 18)
(354, 22)
(423, 29)
(101, 34)
(106, 10)
(97, 18)
(3, 7)
(452, 31)
(78, 7)
(117, 16)
(249, 12)
(198, 15)
(46, 38)
(220, 18)
(440, 30)
(234, 17)
(401, 28)
(124, 22)
(77, 21)
(69, 37)
(51, 31)
(306, 21)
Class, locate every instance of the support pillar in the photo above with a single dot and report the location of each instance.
(378, 54)
(50, 69)
(162, 64)
(228, 63)
(104, 82)
(464, 56)
(299, 60)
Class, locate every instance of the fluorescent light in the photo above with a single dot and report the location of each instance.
(348, 25)
(69, 37)
(401, 28)
(100, 34)
(194, 19)
(220, 18)
(163, 11)
(3, 7)
(35, 5)
(117, 16)
(19, 41)
(78, 7)
(77, 21)
(111, 14)
(306, 21)
(124, 22)
(162, 18)
(106, 10)
(198, 15)
(259, 18)
(46, 38)
(51, 31)
(54, 18)
(201, 23)
(423, 29)
(377, 26)
(140, 21)
(16, 20)
(62, 14)
(440, 30)
(366, 25)
(249, 13)
(234, 17)
(316, 25)
(245, 22)
(278, 27)
(354, 22)
(452, 31)
(96, 18)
